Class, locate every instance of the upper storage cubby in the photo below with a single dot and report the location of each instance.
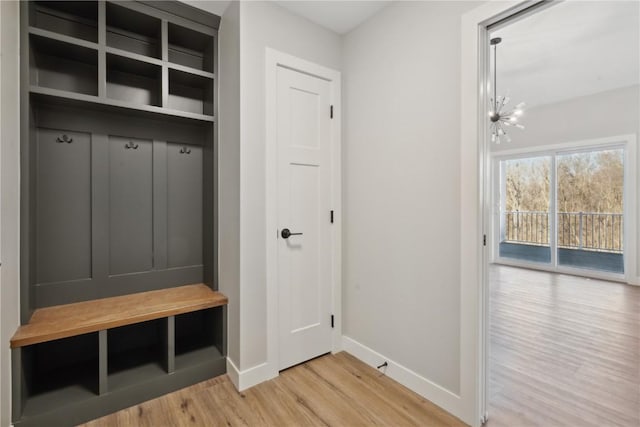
(77, 19)
(191, 93)
(133, 82)
(133, 31)
(190, 48)
(63, 66)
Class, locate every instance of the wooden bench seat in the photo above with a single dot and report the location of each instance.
(63, 321)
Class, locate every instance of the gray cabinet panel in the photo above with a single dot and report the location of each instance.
(184, 205)
(63, 206)
(130, 205)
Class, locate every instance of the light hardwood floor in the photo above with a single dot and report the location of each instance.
(333, 390)
(565, 351)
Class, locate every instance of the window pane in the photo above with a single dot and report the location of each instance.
(590, 210)
(525, 221)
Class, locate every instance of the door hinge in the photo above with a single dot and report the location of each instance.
(484, 240)
(331, 217)
(332, 321)
(331, 112)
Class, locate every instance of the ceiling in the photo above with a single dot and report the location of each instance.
(339, 16)
(217, 7)
(569, 50)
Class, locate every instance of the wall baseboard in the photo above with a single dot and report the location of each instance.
(431, 391)
(233, 373)
(243, 380)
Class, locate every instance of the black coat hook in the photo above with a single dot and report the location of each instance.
(130, 144)
(185, 150)
(64, 138)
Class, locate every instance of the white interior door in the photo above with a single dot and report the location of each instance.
(304, 191)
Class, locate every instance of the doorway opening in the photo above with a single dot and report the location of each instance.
(560, 217)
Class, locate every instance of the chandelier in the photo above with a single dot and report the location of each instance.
(500, 116)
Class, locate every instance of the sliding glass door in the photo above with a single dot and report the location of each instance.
(562, 210)
(590, 210)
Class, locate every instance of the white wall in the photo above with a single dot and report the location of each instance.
(264, 24)
(611, 113)
(9, 195)
(229, 173)
(401, 187)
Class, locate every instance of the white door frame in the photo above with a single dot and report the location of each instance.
(474, 201)
(273, 60)
(475, 191)
(625, 142)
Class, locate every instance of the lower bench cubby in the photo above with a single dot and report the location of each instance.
(60, 371)
(196, 341)
(135, 353)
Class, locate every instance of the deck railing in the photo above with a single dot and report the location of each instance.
(580, 230)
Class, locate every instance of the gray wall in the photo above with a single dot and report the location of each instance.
(611, 113)
(401, 187)
(229, 173)
(264, 24)
(9, 195)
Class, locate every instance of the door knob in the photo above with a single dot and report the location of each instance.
(286, 233)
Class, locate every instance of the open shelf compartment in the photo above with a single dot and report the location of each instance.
(190, 92)
(190, 48)
(58, 372)
(63, 66)
(136, 353)
(198, 337)
(132, 81)
(133, 31)
(77, 19)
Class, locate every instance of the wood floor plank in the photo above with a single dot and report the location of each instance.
(399, 395)
(333, 390)
(564, 350)
(348, 386)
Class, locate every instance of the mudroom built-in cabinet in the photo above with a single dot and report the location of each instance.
(119, 300)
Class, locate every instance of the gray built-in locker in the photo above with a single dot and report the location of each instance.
(63, 200)
(116, 214)
(119, 160)
(130, 205)
(184, 205)
(118, 196)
